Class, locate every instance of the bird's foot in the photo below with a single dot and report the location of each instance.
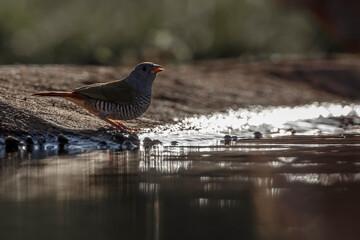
(135, 130)
(122, 130)
(121, 127)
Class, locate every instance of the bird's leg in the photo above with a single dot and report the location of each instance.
(112, 124)
(119, 126)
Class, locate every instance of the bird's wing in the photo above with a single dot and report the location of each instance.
(117, 92)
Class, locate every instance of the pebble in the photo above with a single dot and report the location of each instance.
(11, 144)
(228, 138)
(102, 145)
(293, 131)
(119, 137)
(258, 135)
(49, 147)
(29, 144)
(29, 140)
(62, 140)
(41, 141)
(174, 143)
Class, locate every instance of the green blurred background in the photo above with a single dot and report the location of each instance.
(127, 31)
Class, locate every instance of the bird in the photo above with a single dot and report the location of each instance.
(124, 99)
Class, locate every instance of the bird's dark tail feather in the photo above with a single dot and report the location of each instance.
(56, 94)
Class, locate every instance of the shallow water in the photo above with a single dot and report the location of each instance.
(287, 185)
(312, 119)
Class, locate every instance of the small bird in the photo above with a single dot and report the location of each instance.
(117, 100)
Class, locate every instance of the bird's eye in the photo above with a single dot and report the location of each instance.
(143, 69)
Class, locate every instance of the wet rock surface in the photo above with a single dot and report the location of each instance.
(179, 91)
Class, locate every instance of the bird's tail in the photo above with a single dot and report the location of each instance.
(56, 94)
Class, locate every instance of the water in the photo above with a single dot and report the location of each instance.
(312, 119)
(284, 186)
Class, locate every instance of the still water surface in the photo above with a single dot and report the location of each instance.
(284, 187)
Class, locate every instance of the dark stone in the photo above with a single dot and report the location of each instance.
(11, 144)
(29, 140)
(41, 141)
(102, 145)
(29, 144)
(62, 140)
(119, 138)
(29, 148)
(174, 143)
(227, 138)
(49, 147)
(258, 135)
(62, 150)
(293, 131)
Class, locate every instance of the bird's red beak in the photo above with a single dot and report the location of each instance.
(157, 69)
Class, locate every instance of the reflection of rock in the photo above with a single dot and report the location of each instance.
(149, 143)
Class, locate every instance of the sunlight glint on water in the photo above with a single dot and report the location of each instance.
(311, 119)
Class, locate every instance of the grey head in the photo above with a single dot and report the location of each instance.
(143, 75)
